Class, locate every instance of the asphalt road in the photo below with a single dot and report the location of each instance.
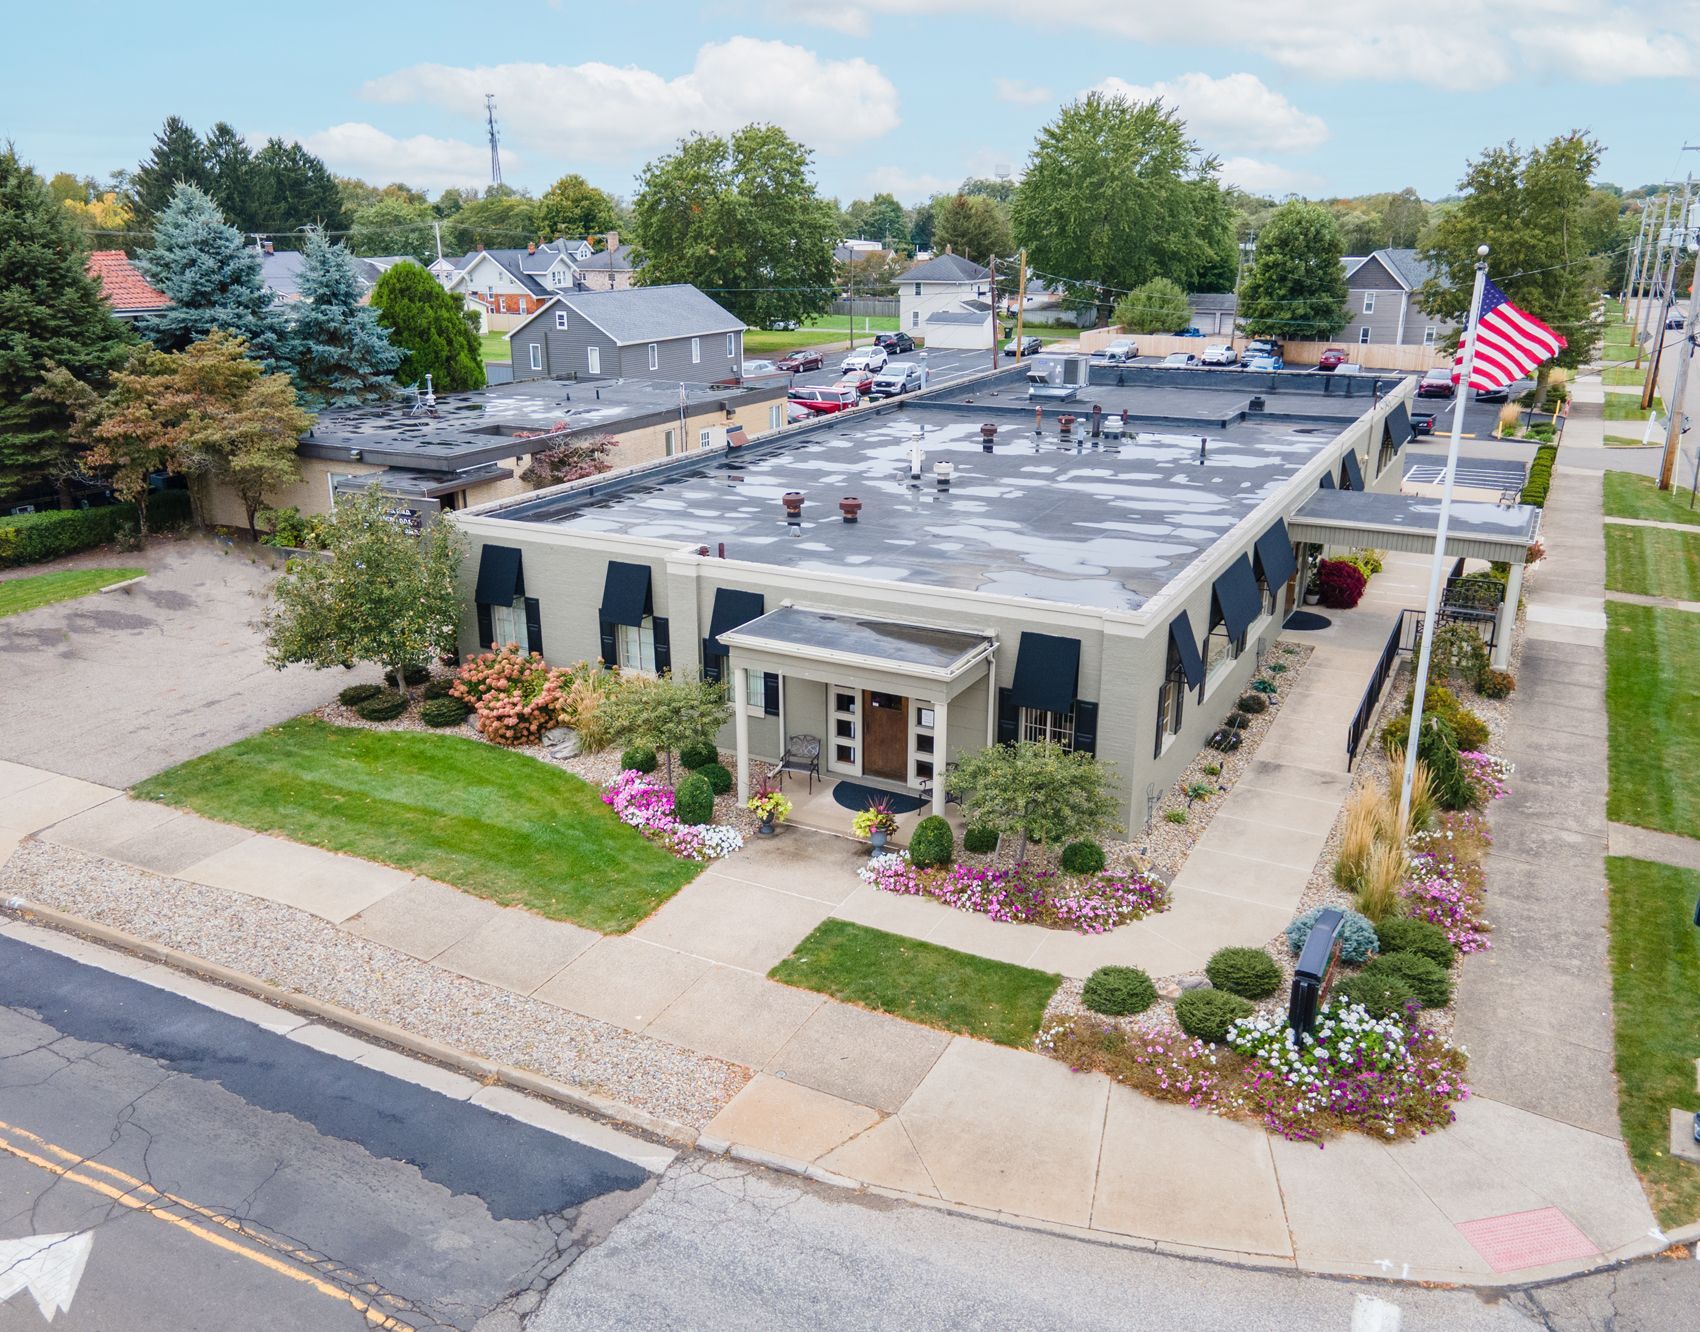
(224, 1177)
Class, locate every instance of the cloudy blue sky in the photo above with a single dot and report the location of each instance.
(904, 95)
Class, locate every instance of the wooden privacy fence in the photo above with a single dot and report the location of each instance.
(1370, 355)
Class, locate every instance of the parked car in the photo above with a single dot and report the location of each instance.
(1437, 383)
(857, 381)
(1499, 394)
(1332, 359)
(899, 377)
(1422, 423)
(1220, 353)
(804, 358)
(895, 344)
(1265, 363)
(1260, 347)
(871, 359)
(825, 401)
(797, 411)
(754, 368)
(783, 326)
(1177, 359)
(1676, 321)
(1190, 333)
(1027, 346)
(1119, 352)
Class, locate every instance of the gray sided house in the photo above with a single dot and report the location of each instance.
(907, 588)
(672, 333)
(1381, 297)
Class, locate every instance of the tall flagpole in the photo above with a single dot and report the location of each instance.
(1419, 686)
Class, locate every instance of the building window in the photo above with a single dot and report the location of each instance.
(561, 319)
(654, 357)
(1220, 651)
(755, 693)
(696, 352)
(1171, 700)
(1369, 302)
(1038, 725)
(731, 346)
(593, 360)
(917, 288)
(1363, 334)
(914, 319)
(637, 646)
(775, 417)
(669, 442)
(1428, 335)
(507, 623)
(703, 438)
(536, 356)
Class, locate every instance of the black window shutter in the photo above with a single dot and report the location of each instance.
(770, 694)
(1008, 717)
(533, 626)
(713, 664)
(610, 653)
(486, 628)
(1085, 727)
(663, 646)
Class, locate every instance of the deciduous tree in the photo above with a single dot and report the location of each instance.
(667, 713)
(502, 219)
(880, 218)
(1158, 306)
(572, 206)
(393, 225)
(426, 325)
(973, 226)
(1042, 790)
(1295, 286)
(337, 352)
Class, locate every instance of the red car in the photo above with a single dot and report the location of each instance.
(860, 380)
(824, 401)
(1437, 383)
(1332, 359)
(802, 359)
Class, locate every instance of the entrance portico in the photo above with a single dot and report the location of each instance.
(885, 694)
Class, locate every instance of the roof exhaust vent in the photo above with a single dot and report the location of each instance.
(988, 433)
(850, 506)
(793, 502)
(1256, 404)
(915, 461)
(942, 473)
(1203, 446)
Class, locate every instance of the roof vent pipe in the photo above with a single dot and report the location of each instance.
(702, 552)
(915, 461)
(850, 506)
(988, 433)
(942, 473)
(1097, 419)
(1203, 442)
(722, 550)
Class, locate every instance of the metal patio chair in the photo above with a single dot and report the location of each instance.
(802, 754)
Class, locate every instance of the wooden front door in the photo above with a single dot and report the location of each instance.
(885, 739)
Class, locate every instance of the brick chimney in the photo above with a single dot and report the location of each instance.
(270, 249)
(613, 241)
(481, 247)
(531, 247)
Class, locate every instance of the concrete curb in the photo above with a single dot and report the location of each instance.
(115, 587)
(484, 1070)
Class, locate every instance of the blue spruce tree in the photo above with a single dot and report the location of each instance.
(336, 350)
(213, 280)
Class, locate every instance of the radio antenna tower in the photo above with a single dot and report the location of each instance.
(495, 139)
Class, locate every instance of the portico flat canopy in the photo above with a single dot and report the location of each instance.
(1478, 530)
(846, 639)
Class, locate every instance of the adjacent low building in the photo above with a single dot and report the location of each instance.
(1102, 564)
(946, 302)
(671, 332)
(1383, 298)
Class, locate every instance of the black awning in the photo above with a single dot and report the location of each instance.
(1047, 672)
(1274, 555)
(626, 596)
(501, 576)
(1398, 425)
(1327, 482)
(731, 609)
(1192, 665)
(1354, 473)
(1237, 597)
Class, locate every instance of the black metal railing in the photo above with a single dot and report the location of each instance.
(1377, 682)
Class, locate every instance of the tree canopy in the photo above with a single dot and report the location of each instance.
(974, 226)
(1158, 306)
(1296, 285)
(1115, 194)
(393, 225)
(337, 352)
(880, 218)
(502, 220)
(740, 218)
(667, 713)
(427, 325)
(573, 207)
(1041, 790)
(52, 313)
(1537, 211)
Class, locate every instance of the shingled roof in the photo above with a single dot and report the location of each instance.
(126, 290)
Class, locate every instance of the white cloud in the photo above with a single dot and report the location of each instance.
(608, 112)
(358, 149)
(1267, 177)
(1611, 55)
(909, 186)
(1236, 111)
(1021, 92)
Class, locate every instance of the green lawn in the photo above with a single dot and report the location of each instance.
(487, 820)
(1654, 562)
(1626, 442)
(22, 594)
(1653, 698)
(1623, 376)
(922, 982)
(1655, 968)
(1627, 407)
(1630, 496)
(494, 346)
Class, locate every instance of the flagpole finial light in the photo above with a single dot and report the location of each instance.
(1481, 252)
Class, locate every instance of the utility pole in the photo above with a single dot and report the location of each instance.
(852, 300)
(1650, 389)
(495, 152)
(1674, 408)
(1020, 302)
(992, 296)
(1650, 277)
(1632, 291)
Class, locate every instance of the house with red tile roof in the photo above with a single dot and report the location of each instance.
(126, 290)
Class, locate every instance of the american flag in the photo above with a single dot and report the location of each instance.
(1511, 342)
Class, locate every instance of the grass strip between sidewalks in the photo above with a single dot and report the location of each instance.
(1653, 703)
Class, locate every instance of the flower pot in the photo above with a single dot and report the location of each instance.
(877, 840)
(767, 828)
(1312, 596)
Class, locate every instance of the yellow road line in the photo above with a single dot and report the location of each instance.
(375, 1316)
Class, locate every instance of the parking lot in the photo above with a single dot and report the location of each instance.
(943, 367)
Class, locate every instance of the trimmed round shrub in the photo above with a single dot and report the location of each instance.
(414, 675)
(1248, 972)
(1207, 1014)
(1340, 583)
(698, 756)
(639, 758)
(1118, 991)
(1083, 857)
(1253, 703)
(355, 695)
(979, 839)
(440, 686)
(1226, 741)
(1265, 686)
(1470, 731)
(443, 712)
(1402, 934)
(932, 843)
(1357, 937)
(1495, 683)
(385, 705)
(1384, 996)
(693, 800)
(719, 779)
(1235, 721)
(1431, 984)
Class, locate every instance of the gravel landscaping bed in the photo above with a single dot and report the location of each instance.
(301, 953)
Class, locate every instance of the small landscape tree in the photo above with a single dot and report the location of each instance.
(1039, 790)
(424, 322)
(667, 713)
(1296, 287)
(1159, 306)
(381, 594)
(570, 460)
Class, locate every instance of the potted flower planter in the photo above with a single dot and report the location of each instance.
(768, 825)
(877, 841)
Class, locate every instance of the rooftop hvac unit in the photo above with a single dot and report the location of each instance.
(1057, 377)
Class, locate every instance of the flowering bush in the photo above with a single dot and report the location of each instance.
(1445, 887)
(1088, 904)
(1163, 1064)
(516, 695)
(1341, 584)
(1486, 773)
(647, 805)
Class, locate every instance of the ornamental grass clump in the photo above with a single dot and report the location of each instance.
(1378, 891)
(1118, 991)
(1363, 822)
(1248, 972)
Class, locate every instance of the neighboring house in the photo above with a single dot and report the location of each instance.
(938, 285)
(281, 271)
(671, 332)
(1213, 312)
(126, 290)
(966, 328)
(610, 269)
(861, 251)
(1382, 300)
(518, 281)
